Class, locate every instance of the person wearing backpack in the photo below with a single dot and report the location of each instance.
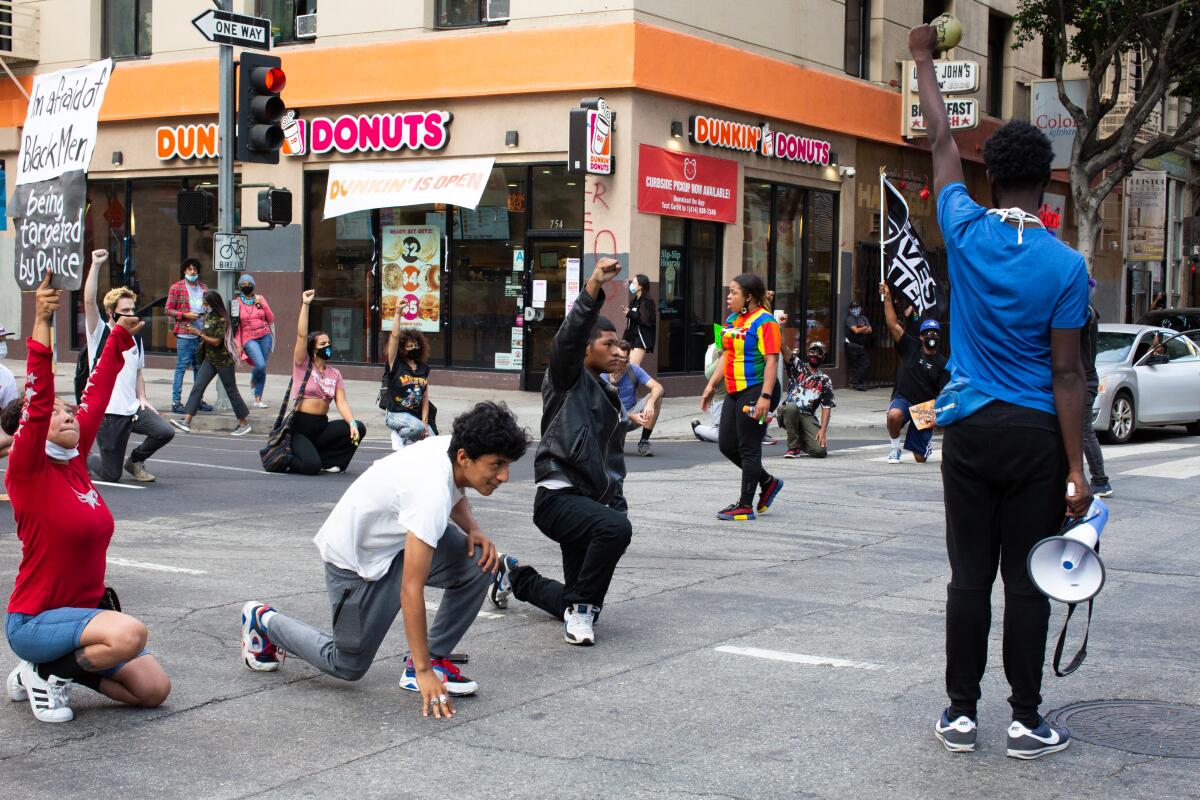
(128, 410)
(405, 393)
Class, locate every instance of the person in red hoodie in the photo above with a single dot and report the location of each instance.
(54, 623)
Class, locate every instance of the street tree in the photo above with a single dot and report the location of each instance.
(1100, 36)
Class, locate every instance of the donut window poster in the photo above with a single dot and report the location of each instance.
(412, 277)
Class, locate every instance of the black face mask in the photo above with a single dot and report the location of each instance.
(931, 342)
(814, 361)
(247, 290)
(325, 352)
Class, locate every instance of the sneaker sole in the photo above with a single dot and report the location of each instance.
(735, 517)
(235, 433)
(953, 747)
(499, 599)
(450, 690)
(180, 426)
(1029, 755)
(578, 642)
(252, 663)
(766, 502)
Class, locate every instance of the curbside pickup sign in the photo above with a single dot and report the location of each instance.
(57, 141)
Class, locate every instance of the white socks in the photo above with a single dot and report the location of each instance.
(266, 618)
(895, 445)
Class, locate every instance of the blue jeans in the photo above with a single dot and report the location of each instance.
(406, 428)
(187, 353)
(258, 350)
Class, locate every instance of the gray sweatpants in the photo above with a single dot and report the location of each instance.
(363, 611)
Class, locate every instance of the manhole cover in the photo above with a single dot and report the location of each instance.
(910, 495)
(1135, 726)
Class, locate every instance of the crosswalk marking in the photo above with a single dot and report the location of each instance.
(797, 658)
(1115, 451)
(1178, 469)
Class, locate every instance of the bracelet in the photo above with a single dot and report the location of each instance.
(766, 395)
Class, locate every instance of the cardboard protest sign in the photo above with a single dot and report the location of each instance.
(49, 231)
(57, 141)
(923, 415)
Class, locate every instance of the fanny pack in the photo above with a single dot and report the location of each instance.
(958, 400)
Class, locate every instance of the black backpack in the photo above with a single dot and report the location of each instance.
(83, 368)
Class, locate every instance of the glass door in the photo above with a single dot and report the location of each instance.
(689, 261)
(551, 265)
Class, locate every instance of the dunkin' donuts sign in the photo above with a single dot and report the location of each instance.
(759, 139)
(358, 133)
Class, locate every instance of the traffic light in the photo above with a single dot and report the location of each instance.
(275, 207)
(196, 207)
(259, 108)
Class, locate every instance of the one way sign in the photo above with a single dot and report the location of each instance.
(224, 27)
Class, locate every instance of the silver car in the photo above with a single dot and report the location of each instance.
(1149, 376)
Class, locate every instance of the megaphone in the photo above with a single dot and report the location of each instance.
(1067, 568)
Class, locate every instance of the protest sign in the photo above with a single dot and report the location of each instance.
(49, 231)
(57, 141)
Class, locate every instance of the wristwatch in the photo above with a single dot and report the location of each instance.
(767, 395)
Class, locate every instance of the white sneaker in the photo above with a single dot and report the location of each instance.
(241, 430)
(16, 690)
(49, 698)
(577, 624)
(259, 653)
(178, 423)
(894, 456)
(260, 404)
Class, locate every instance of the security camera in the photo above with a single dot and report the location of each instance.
(846, 172)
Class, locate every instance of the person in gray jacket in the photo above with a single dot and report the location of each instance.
(579, 469)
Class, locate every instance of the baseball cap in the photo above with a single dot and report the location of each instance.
(930, 325)
(5, 332)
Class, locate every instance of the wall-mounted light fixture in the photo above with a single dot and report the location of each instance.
(118, 158)
(511, 138)
(833, 159)
(677, 129)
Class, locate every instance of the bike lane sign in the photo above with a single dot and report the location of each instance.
(229, 252)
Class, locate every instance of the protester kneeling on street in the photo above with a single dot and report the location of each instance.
(644, 412)
(808, 389)
(405, 400)
(404, 524)
(920, 376)
(56, 623)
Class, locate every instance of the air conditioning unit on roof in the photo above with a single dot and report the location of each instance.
(306, 26)
(496, 11)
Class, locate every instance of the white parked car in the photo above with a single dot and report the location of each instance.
(1149, 376)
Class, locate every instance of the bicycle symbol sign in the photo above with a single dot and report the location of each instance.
(229, 252)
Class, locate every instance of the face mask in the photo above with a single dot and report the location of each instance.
(931, 342)
(192, 278)
(325, 352)
(60, 453)
(247, 289)
(3, 349)
(814, 361)
(855, 311)
(633, 287)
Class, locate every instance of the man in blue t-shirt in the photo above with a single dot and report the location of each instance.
(642, 412)
(1012, 468)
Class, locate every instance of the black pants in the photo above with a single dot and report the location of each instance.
(859, 361)
(1004, 471)
(113, 438)
(319, 444)
(204, 377)
(593, 537)
(740, 438)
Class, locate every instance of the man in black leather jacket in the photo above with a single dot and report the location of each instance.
(580, 470)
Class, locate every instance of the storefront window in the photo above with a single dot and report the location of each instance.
(557, 199)
(135, 221)
(340, 253)
(487, 292)
(790, 241)
(689, 268)
(819, 294)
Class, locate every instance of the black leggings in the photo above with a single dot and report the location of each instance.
(319, 444)
(740, 438)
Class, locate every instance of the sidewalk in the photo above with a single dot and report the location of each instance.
(858, 413)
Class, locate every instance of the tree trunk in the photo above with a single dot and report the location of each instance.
(1089, 230)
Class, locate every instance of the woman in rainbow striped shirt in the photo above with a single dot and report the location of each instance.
(750, 339)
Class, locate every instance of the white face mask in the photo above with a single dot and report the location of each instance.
(60, 453)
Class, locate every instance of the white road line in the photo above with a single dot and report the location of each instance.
(125, 562)
(216, 466)
(797, 658)
(1179, 469)
(906, 457)
(1148, 448)
(106, 483)
(431, 607)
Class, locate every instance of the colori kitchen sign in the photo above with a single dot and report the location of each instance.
(686, 185)
(358, 133)
(758, 139)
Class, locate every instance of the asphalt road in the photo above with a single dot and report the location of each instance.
(844, 580)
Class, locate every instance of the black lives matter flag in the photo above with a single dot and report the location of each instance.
(906, 267)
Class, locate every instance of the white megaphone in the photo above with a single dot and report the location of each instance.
(1067, 568)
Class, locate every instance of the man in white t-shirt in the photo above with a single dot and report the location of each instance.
(128, 411)
(397, 529)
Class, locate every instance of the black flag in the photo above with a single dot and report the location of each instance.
(907, 270)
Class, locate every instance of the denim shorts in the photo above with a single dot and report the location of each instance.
(51, 634)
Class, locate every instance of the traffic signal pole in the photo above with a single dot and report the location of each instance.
(226, 147)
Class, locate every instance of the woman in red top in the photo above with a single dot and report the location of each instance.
(53, 623)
